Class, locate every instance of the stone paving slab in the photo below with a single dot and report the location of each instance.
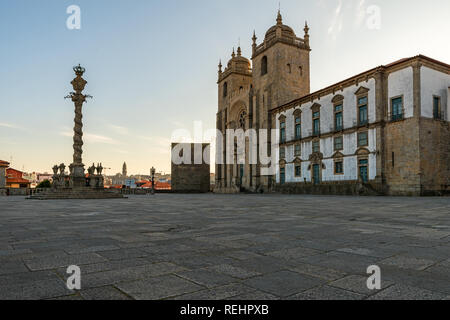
(263, 247)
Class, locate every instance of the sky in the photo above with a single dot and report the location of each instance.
(151, 66)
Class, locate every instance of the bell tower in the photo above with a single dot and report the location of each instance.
(234, 84)
(281, 71)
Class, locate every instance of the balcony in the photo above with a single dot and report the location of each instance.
(439, 115)
(362, 123)
(397, 117)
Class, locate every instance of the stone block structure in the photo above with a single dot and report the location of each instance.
(190, 168)
(383, 131)
(3, 166)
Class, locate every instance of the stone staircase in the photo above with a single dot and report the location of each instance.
(79, 193)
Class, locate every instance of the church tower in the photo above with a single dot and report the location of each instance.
(234, 85)
(124, 170)
(281, 71)
(247, 93)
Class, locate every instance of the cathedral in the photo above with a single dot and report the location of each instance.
(385, 131)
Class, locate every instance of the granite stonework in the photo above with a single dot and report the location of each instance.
(210, 246)
(387, 128)
(3, 166)
(190, 167)
(77, 184)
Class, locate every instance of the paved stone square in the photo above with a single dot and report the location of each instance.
(171, 246)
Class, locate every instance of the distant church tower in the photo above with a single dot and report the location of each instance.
(124, 169)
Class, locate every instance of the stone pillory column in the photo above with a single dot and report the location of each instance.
(78, 175)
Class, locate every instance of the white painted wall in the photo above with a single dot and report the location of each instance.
(432, 83)
(327, 144)
(401, 83)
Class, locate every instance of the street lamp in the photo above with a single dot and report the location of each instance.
(152, 171)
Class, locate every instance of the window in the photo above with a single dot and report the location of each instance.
(298, 150)
(298, 127)
(225, 89)
(316, 146)
(364, 170)
(362, 111)
(338, 143)
(264, 65)
(282, 132)
(301, 70)
(282, 175)
(282, 153)
(298, 170)
(289, 68)
(397, 109)
(339, 167)
(242, 120)
(338, 120)
(437, 108)
(363, 139)
(316, 123)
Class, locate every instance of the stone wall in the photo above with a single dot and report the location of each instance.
(403, 157)
(190, 177)
(349, 188)
(2, 177)
(435, 156)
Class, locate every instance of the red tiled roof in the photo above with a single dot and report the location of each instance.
(4, 163)
(17, 180)
(12, 171)
(158, 186)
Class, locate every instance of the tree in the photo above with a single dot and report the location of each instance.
(44, 185)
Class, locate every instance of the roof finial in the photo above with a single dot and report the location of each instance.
(279, 18)
(306, 33)
(239, 52)
(233, 54)
(254, 42)
(220, 66)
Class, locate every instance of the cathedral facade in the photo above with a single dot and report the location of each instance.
(384, 131)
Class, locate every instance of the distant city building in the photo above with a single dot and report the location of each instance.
(41, 177)
(130, 183)
(15, 180)
(124, 170)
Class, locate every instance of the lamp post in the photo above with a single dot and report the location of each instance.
(152, 171)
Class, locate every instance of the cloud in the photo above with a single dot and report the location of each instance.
(92, 138)
(336, 22)
(9, 125)
(119, 129)
(360, 13)
(120, 151)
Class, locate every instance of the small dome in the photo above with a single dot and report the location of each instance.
(239, 62)
(286, 31)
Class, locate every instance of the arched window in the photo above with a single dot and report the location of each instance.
(264, 65)
(225, 89)
(242, 120)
